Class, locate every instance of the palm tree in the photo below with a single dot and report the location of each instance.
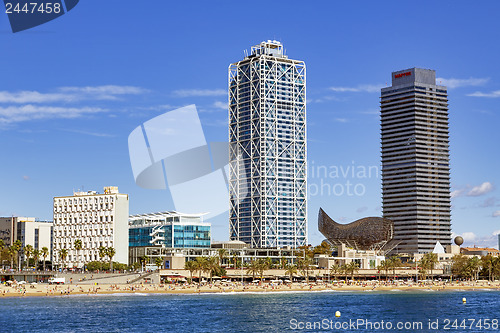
(18, 246)
(36, 256)
(262, 266)
(45, 253)
(28, 251)
(159, 262)
(335, 270)
(63, 253)
(235, 260)
(343, 270)
(222, 253)
(102, 252)
(191, 267)
(212, 264)
(385, 265)
(291, 270)
(283, 263)
(429, 261)
(144, 259)
(110, 251)
(2, 245)
(304, 265)
(487, 262)
(253, 268)
(351, 268)
(12, 251)
(199, 263)
(472, 268)
(78, 246)
(394, 262)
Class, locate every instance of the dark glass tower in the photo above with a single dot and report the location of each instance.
(415, 160)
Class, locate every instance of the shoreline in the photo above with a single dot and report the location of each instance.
(116, 289)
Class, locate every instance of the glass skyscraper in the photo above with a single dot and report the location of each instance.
(267, 136)
(415, 160)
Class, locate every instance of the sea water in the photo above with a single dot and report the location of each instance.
(377, 311)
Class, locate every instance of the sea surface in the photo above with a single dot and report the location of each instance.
(414, 311)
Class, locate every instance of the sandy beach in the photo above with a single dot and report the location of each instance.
(234, 287)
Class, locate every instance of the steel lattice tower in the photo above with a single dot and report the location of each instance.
(267, 135)
(415, 160)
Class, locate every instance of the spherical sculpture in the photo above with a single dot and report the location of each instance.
(459, 240)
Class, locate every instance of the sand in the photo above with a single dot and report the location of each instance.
(235, 287)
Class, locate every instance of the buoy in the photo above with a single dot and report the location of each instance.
(337, 314)
(464, 300)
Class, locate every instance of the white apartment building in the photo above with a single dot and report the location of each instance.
(94, 218)
(29, 231)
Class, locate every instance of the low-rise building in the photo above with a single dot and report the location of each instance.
(152, 234)
(366, 259)
(479, 251)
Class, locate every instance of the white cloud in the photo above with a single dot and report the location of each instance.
(371, 88)
(221, 105)
(484, 188)
(199, 92)
(107, 89)
(341, 120)
(106, 135)
(23, 97)
(457, 193)
(457, 83)
(475, 191)
(15, 114)
(469, 236)
(496, 213)
(490, 202)
(493, 94)
(69, 94)
(362, 209)
(496, 232)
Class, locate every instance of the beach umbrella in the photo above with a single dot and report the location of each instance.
(21, 282)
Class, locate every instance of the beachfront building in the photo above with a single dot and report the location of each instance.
(366, 259)
(94, 219)
(152, 234)
(29, 231)
(415, 160)
(267, 154)
(479, 251)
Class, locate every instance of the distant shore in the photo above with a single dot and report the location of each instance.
(235, 287)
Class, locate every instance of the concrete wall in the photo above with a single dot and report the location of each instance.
(120, 241)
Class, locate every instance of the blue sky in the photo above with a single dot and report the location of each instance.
(72, 90)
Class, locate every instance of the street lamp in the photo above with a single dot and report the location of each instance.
(241, 267)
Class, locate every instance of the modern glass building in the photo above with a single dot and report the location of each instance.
(415, 160)
(267, 136)
(169, 230)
